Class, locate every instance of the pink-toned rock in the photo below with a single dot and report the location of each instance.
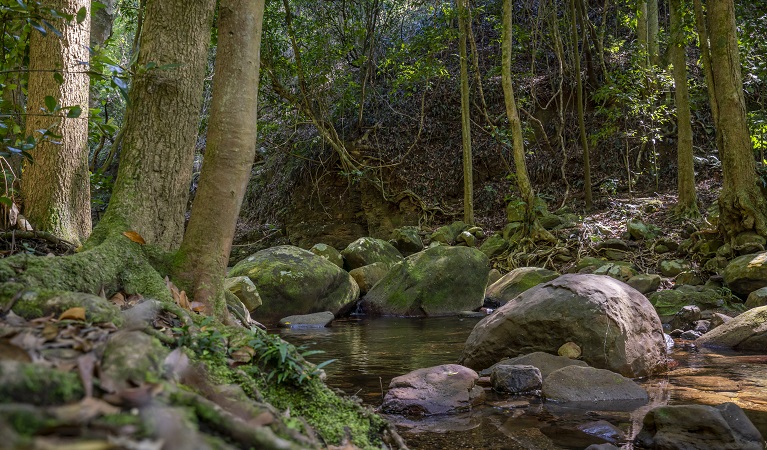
(442, 389)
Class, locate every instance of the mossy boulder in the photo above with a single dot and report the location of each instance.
(645, 282)
(37, 384)
(749, 242)
(673, 267)
(757, 298)
(449, 233)
(32, 305)
(329, 253)
(407, 240)
(367, 276)
(494, 246)
(439, 281)
(746, 273)
(670, 301)
(516, 282)
(747, 331)
(295, 281)
(617, 269)
(641, 231)
(244, 290)
(368, 250)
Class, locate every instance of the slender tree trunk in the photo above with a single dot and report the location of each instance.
(705, 56)
(642, 31)
(523, 180)
(741, 204)
(579, 99)
(56, 185)
(686, 204)
(158, 148)
(231, 148)
(101, 23)
(468, 178)
(652, 33)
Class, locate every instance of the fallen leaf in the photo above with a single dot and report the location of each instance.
(135, 237)
(198, 307)
(118, 299)
(11, 352)
(84, 411)
(243, 354)
(265, 418)
(76, 313)
(50, 331)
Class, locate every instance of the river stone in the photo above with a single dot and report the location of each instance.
(757, 298)
(623, 334)
(494, 246)
(719, 319)
(516, 282)
(367, 250)
(493, 276)
(316, 320)
(689, 278)
(447, 234)
(617, 270)
(570, 350)
(645, 282)
(545, 362)
(442, 389)
(716, 265)
(749, 242)
(603, 430)
(438, 281)
(668, 302)
(672, 268)
(721, 427)
(367, 276)
(517, 379)
(466, 238)
(407, 240)
(245, 290)
(295, 281)
(589, 264)
(587, 385)
(329, 253)
(747, 331)
(685, 318)
(641, 231)
(746, 273)
(131, 358)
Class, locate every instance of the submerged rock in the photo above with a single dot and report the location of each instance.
(316, 320)
(583, 385)
(545, 362)
(722, 427)
(439, 281)
(295, 281)
(615, 326)
(442, 389)
(515, 379)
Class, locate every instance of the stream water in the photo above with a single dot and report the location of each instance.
(370, 352)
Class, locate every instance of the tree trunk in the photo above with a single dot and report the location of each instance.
(741, 204)
(523, 180)
(652, 33)
(686, 204)
(705, 56)
(101, 23)
(56, 185)
(468, 178)
(158, 147)
(579, 99)
(231, 148)
(642, 31)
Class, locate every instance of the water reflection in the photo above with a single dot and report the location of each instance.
(370, 353)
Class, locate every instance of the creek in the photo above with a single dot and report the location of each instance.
(368, 353)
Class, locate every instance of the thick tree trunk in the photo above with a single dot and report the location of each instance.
(468, 171)
(523, 180)
(642, 31)
(158, 146)
(705, 56)
(56, 185)
(653, 54)
(579, 99)
(231, 148)
(741, 204)
(686, 204)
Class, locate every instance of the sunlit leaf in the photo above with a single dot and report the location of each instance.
(76, 313)
(38, 27)
(50, 103)
(74, 112)
(58, 77)
(81, 13)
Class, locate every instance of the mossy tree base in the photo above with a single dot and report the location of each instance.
(742, 210)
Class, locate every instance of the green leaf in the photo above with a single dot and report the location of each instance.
(74, 112)
(22, 4)
(5, 201)
(53, 29)
(58, 77)
(50, 103)
(97, 6)
(38, 27)
(325, 363)
(81, 13)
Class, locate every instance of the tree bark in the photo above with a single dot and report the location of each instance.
(468, 177)
(653, 54)
(579, 99)
(158, 147)
(741, 204)
(642, 31)
(56, 185)
(231, 148)
(523, 180)
(686, 203)
(705, 56)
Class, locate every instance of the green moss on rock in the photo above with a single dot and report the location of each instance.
(37, 384)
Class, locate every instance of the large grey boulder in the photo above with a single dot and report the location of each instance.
(442, 389)
(701, 427)
(747, 331)
(516, 282)
(368, 250)
(615, 326)
(746, 273)
(329, 253)
(438, 281)
(584, 385)
(295, 281)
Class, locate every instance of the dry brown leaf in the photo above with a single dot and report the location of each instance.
(118, 299)
(265, 418)
(76, 313)
(135, 237)
(50, 331)
(13, 214)
(197, 307)
(243, 354)
(184, 301)
(84, 411)
(11, 352)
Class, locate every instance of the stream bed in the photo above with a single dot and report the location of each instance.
(368, 353)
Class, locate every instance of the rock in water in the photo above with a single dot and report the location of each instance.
(434, 390)
(435, 282)
(615, 326)
(746, 273)
(748, 331)
(368, 250)
(722, 427)
(295, 281)
(585, 385)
